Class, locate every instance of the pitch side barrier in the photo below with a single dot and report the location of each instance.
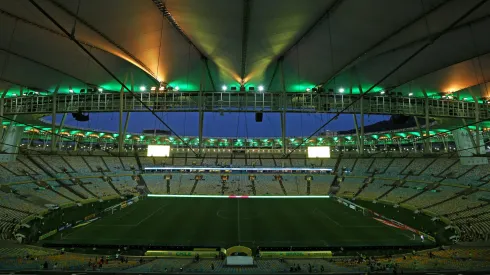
(93, 217)
(121, 205)
(383, 219)
(89, 218)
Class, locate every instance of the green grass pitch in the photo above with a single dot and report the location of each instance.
(227, 222)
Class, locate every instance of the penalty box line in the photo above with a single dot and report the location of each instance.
(326, 216)
(151, 215)
(132, 225)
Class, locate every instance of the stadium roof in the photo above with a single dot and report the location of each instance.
(339, 43)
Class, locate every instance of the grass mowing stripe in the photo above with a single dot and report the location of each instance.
(211, 222)
(323, 214)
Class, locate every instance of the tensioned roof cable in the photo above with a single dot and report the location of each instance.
(109, 72)
(395, 69)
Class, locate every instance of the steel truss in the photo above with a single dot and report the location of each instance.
(246, 102)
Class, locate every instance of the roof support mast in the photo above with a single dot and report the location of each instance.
(62, 124)
(477, 120)
(53, 119)
(427, 145)
(358, 136)
(201, 106)
(361, 144)
(283, 111)
(2, 104)
(120, 137)
(421, 132)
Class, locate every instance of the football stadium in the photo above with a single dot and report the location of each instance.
(244, 136)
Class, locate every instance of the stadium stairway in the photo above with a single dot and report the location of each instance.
(367, 181)
(138, 161)
(396, 184)
(82, 184)
(457, 195)
(337, 164)
(376, 164)
(142, 187)
(427, 188)
(308, 187)
(254, 192)
(17, 210)
(194, 186)
(223, 187)
(96, 164)
(109, 181)
(335, 186)
(468, 209)
(468, 217)
(44, 185)
(60, 182)
(282, 187)
(84, 187)
(402, 172)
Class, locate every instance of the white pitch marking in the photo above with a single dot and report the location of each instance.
(324, 214)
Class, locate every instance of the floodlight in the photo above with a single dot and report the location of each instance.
(161, 88)
(318, 151)
(153, 88)
(341, 90)
(158, 151)
(71, 91)
(101, 90)
(410, 94)
(382, 92)
(176, 88)
(261, 88)
(308, 89)
(223, 87)
(142, 88)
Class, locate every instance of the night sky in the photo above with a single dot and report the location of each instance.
(226, 125)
